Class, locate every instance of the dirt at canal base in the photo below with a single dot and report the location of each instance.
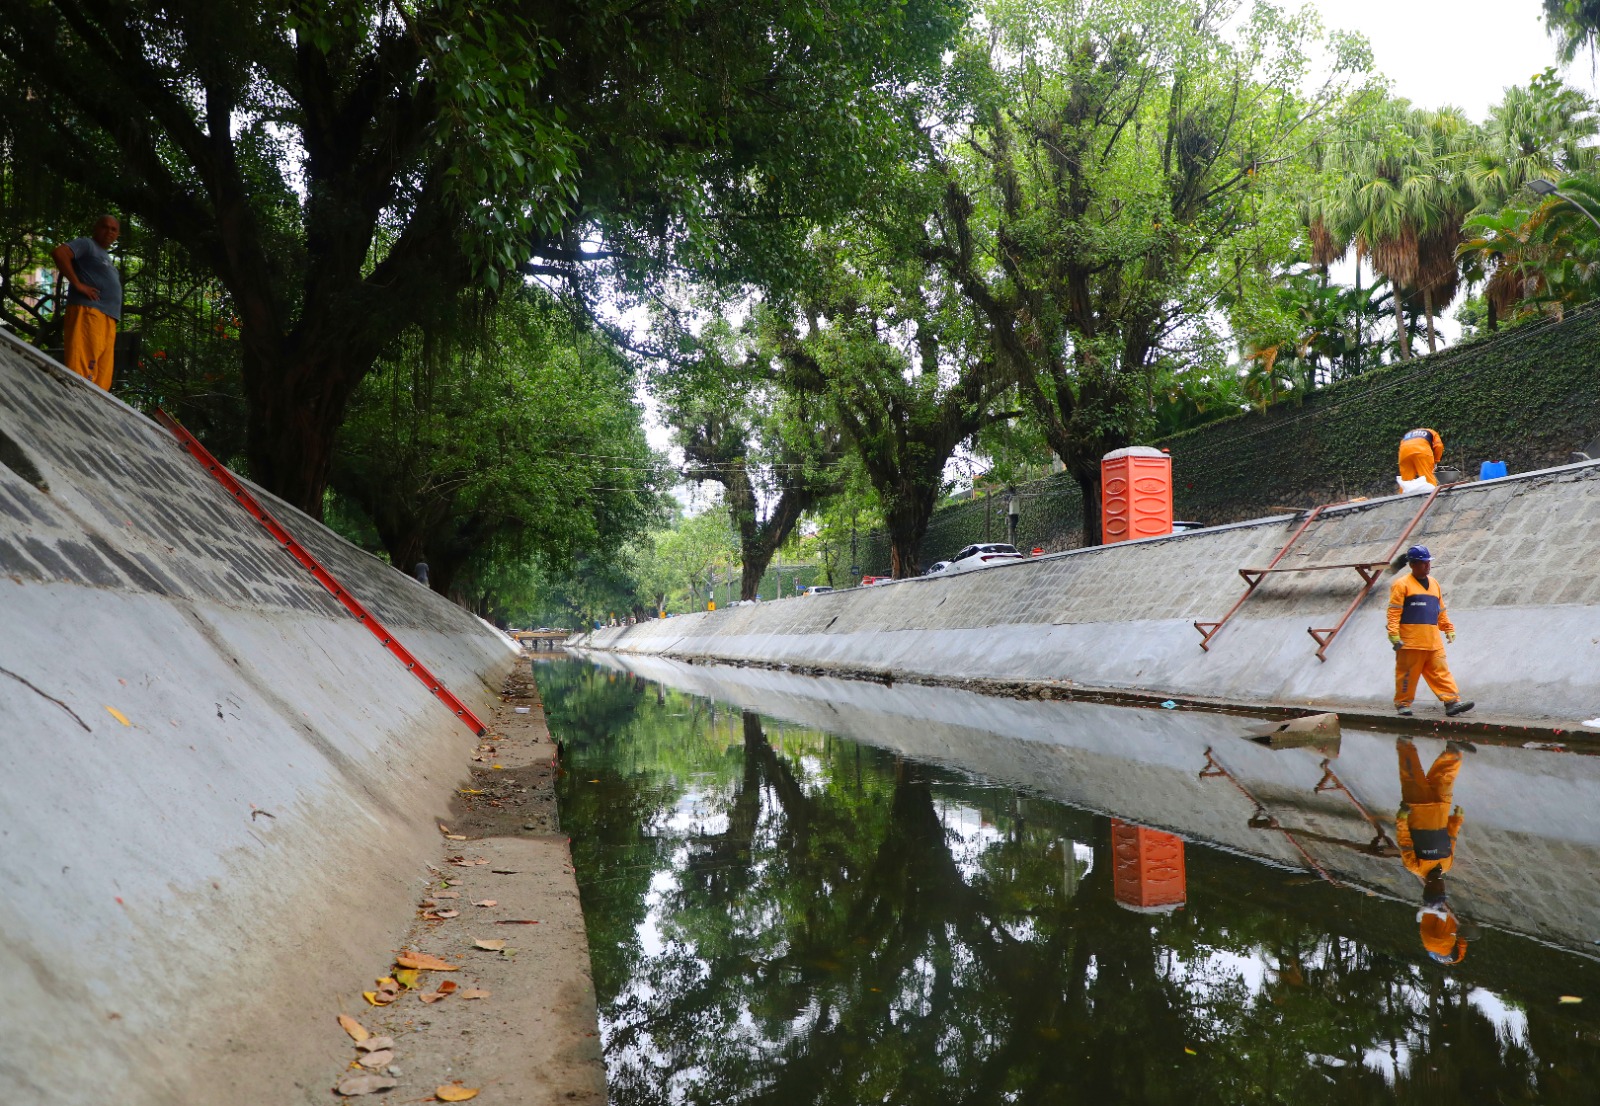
(527, 1034)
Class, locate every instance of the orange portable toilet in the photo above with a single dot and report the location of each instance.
(1147, 871)
(1135, 494)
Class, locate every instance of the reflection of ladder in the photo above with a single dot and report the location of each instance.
(1369, 571)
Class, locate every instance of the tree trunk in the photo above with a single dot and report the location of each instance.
(907, 520)
(1088, 479)
(1427, 308)
(1400, 322)
(294, 416)
(756, 559)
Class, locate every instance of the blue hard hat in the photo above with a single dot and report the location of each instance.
(1418, 553)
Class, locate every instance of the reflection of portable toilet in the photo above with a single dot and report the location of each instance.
(1147, 872)
(1135, 494)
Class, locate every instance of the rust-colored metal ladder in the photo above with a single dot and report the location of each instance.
(1369, 571)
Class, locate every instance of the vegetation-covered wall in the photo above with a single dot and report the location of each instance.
(1529, 398)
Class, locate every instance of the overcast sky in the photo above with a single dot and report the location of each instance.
(1459, 52)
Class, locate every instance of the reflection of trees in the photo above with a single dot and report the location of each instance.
(834, 936)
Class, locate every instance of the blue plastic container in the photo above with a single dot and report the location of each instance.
(1491, 470)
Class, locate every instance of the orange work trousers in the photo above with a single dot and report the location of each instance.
(90, 339)
(1412, 666)
(1416, 459)
(1429, 790)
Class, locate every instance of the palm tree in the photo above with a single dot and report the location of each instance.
(1400, 193)
(1545, 129)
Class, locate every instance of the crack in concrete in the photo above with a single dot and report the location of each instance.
(31, 687)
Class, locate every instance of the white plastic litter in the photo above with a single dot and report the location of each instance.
(1418, 484)
(523, 710)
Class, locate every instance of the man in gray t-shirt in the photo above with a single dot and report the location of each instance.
(94, 301)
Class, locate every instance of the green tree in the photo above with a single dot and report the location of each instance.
(894, 356)
(1575, 24)
(523, 444)
(1102, 190)
(739, 429)
(354, 169)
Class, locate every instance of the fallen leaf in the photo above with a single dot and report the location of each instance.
(486, 902)
(424, 961)
(378, 1059)
(469, 791)
(357, 1031)
(378, 998)
(1567, 999)
(447, 986)
(455, 836)
(472, 993)
(444, 829)
(375, 1044)
(515, 922)
(123, 718)
(366, 1083)
(496, 767)
(431, 997)
(492, 946)
(406, 977)
(455, 1094)
(447, 894)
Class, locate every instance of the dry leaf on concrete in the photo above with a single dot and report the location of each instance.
(455, 1094)
(379, 1059)
(365, 1083)
(375, 1044)
(455, 837)
(424, 961)
(486, 902)
(447, 894)
(357, 1031)
(447, 914)
(431, 997)
(492, 946)
(472, 993)
(406, 977)
(118, 715)
(447, 986)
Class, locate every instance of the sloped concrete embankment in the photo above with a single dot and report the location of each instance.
(1524, 861)
(1516, 556)
(214, 784)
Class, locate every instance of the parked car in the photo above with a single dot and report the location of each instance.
(868, 581)
(974, 557)
(937, 568)
(817, 589)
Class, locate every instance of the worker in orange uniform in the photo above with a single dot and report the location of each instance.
(1426, 829)
(1420, 451)
(1416, 619)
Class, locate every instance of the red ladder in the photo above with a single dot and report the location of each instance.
(299, 552)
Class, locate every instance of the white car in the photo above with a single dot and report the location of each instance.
(974, 557)
(937, 568)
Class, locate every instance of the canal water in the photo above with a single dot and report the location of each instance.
(941, 898)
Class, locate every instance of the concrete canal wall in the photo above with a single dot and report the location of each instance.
(1517, 558)
(1524, 860)
(215, 786)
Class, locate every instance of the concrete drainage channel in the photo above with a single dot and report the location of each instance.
(221, 796)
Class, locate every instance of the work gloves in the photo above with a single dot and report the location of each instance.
(1394, 640)
(1450, 636)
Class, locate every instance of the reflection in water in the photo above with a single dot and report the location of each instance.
(1428, 828)
(780, 915)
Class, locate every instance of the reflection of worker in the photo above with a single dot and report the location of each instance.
(1420, 451)
(1427, 829)
(1416, 617)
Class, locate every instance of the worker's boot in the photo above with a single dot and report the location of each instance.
(1460, 746)
(1403, 708)
(1460, 706)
